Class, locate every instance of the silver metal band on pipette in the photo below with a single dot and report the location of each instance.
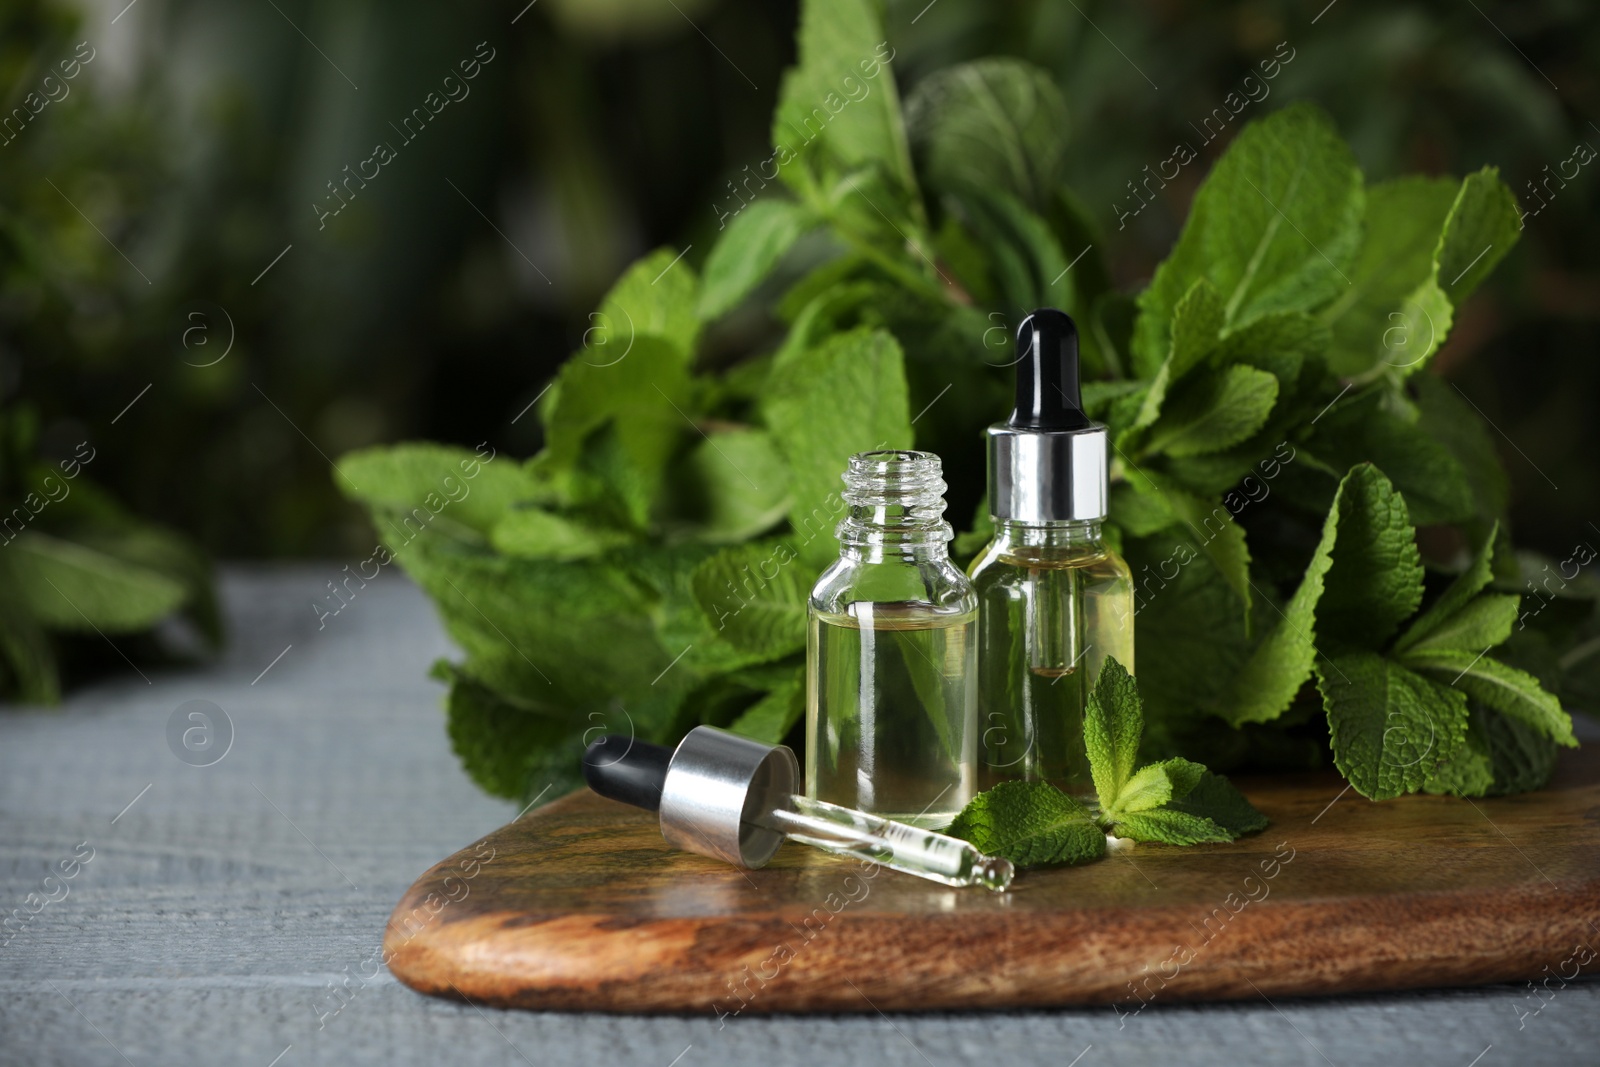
(718, 788)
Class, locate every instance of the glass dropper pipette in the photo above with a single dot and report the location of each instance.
(733, 799)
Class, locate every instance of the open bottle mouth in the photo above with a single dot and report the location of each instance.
(895, 478)
(896, 496)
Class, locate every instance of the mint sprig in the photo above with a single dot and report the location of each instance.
(1032, 824)
(1173, 801)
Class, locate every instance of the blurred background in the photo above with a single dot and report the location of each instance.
(168, 238)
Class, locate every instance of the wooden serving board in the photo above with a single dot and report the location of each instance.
(580, 905)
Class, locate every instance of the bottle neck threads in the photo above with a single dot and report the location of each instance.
(896, 501)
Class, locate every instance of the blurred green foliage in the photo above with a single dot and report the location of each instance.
(138, 212)
(75, 567)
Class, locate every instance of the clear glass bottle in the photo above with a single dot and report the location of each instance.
(891, 654)
(1054, 600)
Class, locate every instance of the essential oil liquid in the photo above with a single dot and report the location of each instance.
(1049, 620)
(890, 728)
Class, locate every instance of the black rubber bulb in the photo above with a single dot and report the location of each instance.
(1047, 374)
(626, 769)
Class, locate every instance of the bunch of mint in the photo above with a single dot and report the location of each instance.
(1172, 801)
(1276, 433)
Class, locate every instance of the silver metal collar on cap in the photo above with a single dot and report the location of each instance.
(719, 786)
(1047, 476)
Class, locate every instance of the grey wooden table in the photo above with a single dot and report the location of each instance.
(223, 902)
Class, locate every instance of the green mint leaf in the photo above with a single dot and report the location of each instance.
(848, 395)
(1389, 726)
(1515, 693)
(1148, 788)
(1460, 593)
(1215, 411)
(1170, 827)
(1183, 774)
(1030, 265)
(1523, 758)
(1113, 723)
(1404, 219)
(1470, 772)
(1196, 323)
(1123, 410)
(1220, 539)
(868, 208)
(965, 257)
(1180, 802)
(1417, 329)
(442, 480)
(532, 533)
(1485, 622)
(1448, 419)
(770, 719)
(1275, 227)
(1278, 666)
(666, 574)
(655, 297)
(1381, 427)
(1100, 399)
(1194, 620)
(731, 486)
(838, 109)
(748, 249)
(1483, 225)
(1375, 580)
(631, 383)
(995, 123)
(1213, 797)
(1501, 756)
(630, 379)
(572, 635)
(511, 747)
(1139, 506)
(1146, 503)
(640, 398)
(1031, 824)
(1279, 343)
(69, 587)
(823, 298)
(754, 597)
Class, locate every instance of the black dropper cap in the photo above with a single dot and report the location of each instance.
(1047, 374)
(626, 769)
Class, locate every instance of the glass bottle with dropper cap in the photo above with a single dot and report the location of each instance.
(891, 654)
(1054, 599)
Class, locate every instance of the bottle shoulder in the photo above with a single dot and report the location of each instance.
(1001, 559)
(937, 584)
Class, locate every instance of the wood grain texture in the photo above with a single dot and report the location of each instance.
(210, 930)
(581, 905)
